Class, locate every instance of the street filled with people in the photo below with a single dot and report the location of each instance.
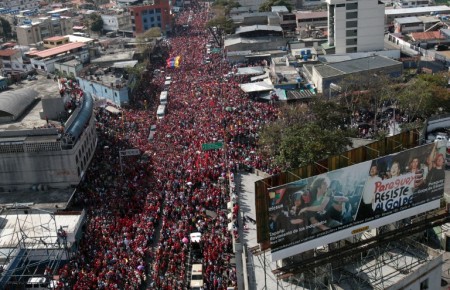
(142, 209)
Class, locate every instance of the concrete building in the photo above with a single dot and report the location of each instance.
(355, 26)
(44, 27)
(412, 3)
(45, 60)
(20, 4)
(34, 154)
(307, 20)
(256, 18)
(414, 24)
(69, 68)
(391, 14)
(113, 85)
(117, 21)
(323, 75)
(55, 41)
(147, 16)
(13, 63)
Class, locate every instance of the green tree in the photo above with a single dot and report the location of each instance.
(225, 5)
(223, 23)
(425, 96)
(96, 22)
(303, 134)
(6, 27)
(267, 5)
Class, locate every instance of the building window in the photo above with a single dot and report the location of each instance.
(340, 5)
(350, 49)
(352, 15)
(158, 18)
(351, 41)
(424, 285)
(350, 33)
(158, 10)
(351, 6)
(106, 90)
(145, 20)
(351, 24)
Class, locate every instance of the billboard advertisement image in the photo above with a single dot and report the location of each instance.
(322, 209)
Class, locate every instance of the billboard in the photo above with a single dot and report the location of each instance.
(322, 209)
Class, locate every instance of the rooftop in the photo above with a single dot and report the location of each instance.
(411, 19)
(8, 52)
(46, 88)
(414, 10)
(115, 57)
(416, 36)
(243, 29)
(55, 38)
(311, 14)
(57, 50)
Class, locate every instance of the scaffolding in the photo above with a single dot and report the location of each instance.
(371, 260)
(31, 245)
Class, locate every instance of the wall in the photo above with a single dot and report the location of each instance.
(110, 22)
(57, 168)
(148, 16)
(101, 91)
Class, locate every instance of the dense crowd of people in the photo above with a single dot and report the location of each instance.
(140, 213)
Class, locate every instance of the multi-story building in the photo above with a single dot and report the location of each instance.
(44, 27)
(12, 62)
(20, 4)
(45, 60)
(111, 86)
(45, 156)
(355, 26)
(116, 21)
(147, 16)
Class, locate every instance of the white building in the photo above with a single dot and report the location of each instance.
(355, 26)
(116, 22)
(13, 63)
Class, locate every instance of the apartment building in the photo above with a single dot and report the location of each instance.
(114, 21)
(355, 26)
(145, 17)
(44, 27)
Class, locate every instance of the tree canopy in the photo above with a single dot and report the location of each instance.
(267, 5)
(223, 23)
(6, 27)
(96, 22)
(304, 134)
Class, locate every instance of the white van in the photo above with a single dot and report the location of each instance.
(197, 277)
(161, 112)
(167, 84)
(163, 98)
(41, 283)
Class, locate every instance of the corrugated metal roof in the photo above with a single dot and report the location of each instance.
(426, 35)
(8, 52)
(16, 101)
(55, 38)
(365, 63)
(57, 50)
(417, 10)
(251, 70)
(250, 28)
(405, 20)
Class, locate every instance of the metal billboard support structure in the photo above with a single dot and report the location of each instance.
(361, 262)
(34, 246)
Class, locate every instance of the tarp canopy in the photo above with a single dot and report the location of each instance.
(254, 70)
(113, 110)
(265, 85)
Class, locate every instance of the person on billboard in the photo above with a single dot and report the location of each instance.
(300, 200)
(365, 209)
(418, 171)
(317, 213)
(437, 172)
(395, 170)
